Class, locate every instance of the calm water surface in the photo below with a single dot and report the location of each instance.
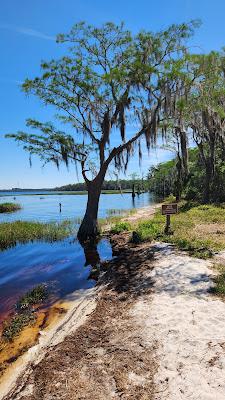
(64, 266)
(61, 265)
(45, 208)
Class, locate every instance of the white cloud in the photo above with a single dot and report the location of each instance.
(26, 31)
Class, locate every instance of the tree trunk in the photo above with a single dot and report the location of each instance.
(208, 180)
(178, 184)
(89, 227)
(210, 170)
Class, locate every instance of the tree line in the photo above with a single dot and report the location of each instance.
(110, 79)
(163, 177)
(140, 184)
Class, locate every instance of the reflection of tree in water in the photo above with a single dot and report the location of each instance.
(91, 253)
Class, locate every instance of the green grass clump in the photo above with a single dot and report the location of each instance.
(195, 248)
(35, 296)
(16, 324)
(12, 233)
(219, 281)
(146, 231)
(25, 314)
(9, 207)
(121, 226)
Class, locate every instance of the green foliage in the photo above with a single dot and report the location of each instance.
(25, 314)
(12, 233)
(16, 324)
(147, 231)
(219, 281)
(9, 207)
(190, 229)
(35, 296)
(196, 184)
(111, 185)
(107, 78)
(121, 226)
(163, 179)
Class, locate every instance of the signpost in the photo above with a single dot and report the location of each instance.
(168, 210)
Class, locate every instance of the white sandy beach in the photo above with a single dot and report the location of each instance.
(188, 325)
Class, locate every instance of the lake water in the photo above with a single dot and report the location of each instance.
(64, 266)
(45, 207)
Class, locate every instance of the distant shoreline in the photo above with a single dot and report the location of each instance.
(7, 193)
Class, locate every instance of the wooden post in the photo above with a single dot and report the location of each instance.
(167, 227)
(168, 210)
(60, 207)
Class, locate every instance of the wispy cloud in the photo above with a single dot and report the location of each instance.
(26, 31)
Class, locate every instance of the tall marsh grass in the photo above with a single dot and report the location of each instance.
(12, 233)
(9, 207)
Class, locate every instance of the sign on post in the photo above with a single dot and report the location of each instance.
(168, 210)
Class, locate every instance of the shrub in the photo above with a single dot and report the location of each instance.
(147, 230)
(9, 207)
(121, 227)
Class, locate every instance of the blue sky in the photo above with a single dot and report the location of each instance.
(27, 31)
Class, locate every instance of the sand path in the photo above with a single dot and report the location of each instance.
(143, 213)
(188, 324)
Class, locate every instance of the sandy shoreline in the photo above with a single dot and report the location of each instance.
(150, 329)
(78, 306)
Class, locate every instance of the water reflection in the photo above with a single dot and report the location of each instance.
(92, 256)
(64, 266)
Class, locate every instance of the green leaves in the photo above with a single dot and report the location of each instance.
(51, 145)
(106, 71)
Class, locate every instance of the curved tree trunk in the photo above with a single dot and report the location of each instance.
(89, 229)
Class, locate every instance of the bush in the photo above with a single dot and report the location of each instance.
(121, 227)
(9, 207)
(147, 230)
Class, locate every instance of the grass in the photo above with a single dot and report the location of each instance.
(219, 281)
(114, 216)
(12, 233)
(16, 324)
(200, 230)
(35, 296)
(121, 226)
(25, 314)
(9, 207)
(115, 212)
